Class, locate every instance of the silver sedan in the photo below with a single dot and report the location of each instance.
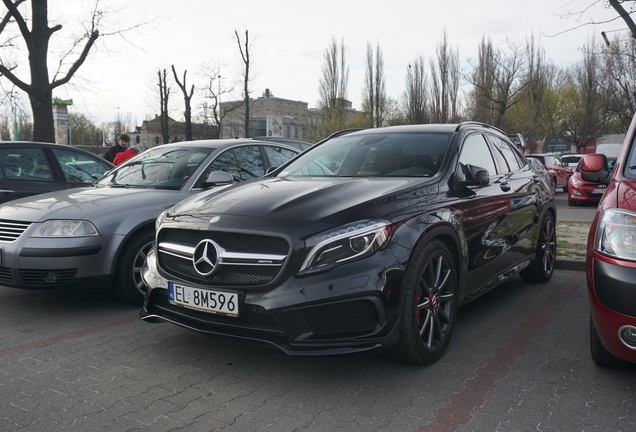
(97, 237)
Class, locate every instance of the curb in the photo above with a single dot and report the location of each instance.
(569, 264)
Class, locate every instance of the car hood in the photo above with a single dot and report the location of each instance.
(296, 199)
(87, 203)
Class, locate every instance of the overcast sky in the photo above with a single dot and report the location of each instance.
(289, 39)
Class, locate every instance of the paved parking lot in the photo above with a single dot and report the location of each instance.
(519, 360)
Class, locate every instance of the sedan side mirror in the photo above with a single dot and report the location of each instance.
(594, 168)
(218, 178)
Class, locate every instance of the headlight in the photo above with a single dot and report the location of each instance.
(160, 219)
(65, 228)
(616, 235)
(344, 244)
(575, 181)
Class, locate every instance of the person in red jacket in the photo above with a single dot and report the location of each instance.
(125, 155)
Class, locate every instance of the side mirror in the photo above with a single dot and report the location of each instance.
(473, 176)
(218, 178)
(594, 168)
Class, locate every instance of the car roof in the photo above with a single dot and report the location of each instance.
(223, 143)
(436, 127)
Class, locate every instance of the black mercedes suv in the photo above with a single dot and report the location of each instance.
(366, 242)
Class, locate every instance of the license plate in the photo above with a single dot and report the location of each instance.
(598, 191)
(221, 302)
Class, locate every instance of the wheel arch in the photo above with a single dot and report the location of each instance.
(147, 225)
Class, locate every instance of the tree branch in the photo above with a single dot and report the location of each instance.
(91, 40)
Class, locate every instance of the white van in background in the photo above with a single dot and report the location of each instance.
(608, 150)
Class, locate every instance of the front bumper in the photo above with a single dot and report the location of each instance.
(612, 293)
(68, 263)
(352, 308)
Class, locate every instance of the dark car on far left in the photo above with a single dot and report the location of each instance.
(30, 168)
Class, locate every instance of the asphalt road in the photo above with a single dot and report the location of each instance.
(519, 361)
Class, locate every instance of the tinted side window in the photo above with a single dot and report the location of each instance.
(78, 167)
(243, 163)
(278, 155)
(25, 164)
(505, 155)
(476, 152)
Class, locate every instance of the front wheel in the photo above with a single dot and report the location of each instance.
(128, 284)
(428, 314)
(541, 269)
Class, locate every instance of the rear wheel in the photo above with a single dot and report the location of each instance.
(428, 315)
(553, 186)
(128, 284)
(541, 269)
(600, 355)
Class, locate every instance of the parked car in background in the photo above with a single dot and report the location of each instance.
(571, 159)
(368, 241)
(581, 191)
(539, 168)
(609, 150)
(97, 237)
(559, 172)
(611, 257)
(30, 168)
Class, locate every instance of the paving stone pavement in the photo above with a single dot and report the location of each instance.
(519, 361)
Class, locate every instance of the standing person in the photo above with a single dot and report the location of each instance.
(120, 157)
(122, 144)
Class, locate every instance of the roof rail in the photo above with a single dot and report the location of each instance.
(467, 123)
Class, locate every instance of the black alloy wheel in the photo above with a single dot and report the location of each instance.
(542, 268)
(428, 315)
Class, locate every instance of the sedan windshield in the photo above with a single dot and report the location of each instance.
(159, 168)
(373, 155)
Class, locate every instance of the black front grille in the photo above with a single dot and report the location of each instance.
(47, 278)
(347, 317)
(257, 318)
(231, 275)
(6, 277)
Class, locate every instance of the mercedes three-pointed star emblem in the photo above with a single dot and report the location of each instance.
(205, 257)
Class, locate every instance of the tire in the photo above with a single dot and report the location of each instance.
(554, 187)
(600, 355)
(572, 203)
(127, 284)
(430, 305)
(565, 188)
(542, 268)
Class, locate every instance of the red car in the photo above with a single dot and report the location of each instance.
(611, 257)
(582, 191)
(559, 172)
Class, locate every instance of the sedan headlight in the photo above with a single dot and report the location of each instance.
(160, 219)
(575, 181)
(345, 244)
(65, 228)
(616, 234)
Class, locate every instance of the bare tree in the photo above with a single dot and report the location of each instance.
(498, 82)
(36, 41)
(164, 95)
(244, 50)
(187, 97)
(333, 88)
(445, 77)
(587, 118)
(374, 97)
(618, 80)
(415, 101)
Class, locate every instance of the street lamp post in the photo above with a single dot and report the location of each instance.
(219, 99)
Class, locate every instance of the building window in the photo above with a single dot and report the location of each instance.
(296, 117)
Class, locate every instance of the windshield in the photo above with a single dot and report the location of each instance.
(159, 167)
(373, 155)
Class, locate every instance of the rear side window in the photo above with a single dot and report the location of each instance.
(243, 163)
(27, 163)
(278, 155)
(505, 155)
